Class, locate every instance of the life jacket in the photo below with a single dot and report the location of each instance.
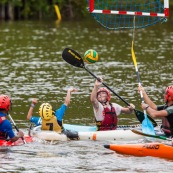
(2, 119)
(166, 126)
(51, 125)
(2, 134)
(110, 120)
(167, 123)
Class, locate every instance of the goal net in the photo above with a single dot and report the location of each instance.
(117, 14)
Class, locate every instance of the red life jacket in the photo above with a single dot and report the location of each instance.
(110, 120)
(2, 119)
(2, 134)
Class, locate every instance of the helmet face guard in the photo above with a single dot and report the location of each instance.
(103, 89)
(5, 102)
(46, 112)
(169, 94)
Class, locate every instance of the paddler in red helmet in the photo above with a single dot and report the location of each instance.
(164, 112)
(6, 131)
(106, 113)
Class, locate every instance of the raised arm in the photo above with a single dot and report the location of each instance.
(30, 112)
(147, 99)
(93, 96)
(68, 96)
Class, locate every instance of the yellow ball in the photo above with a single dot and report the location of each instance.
(91, 56)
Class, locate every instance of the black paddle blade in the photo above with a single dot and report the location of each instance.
(72, 57)
(140, 117)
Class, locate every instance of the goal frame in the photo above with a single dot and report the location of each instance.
(134, 13)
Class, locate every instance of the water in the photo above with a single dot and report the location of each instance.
(76, 156)
(32, 67)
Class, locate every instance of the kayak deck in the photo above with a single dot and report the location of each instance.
(84, 128)
(28, 139)
(115, 135)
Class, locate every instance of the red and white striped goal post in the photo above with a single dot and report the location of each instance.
(136, 13)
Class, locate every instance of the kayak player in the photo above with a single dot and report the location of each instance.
(6, 130)
(106, 113)
(50, 119)
(165, 112)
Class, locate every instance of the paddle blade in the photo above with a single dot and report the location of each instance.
(72, 57)
(140, 117)
(147, 126)
(133, 56)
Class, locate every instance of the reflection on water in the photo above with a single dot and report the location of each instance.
(32, 66)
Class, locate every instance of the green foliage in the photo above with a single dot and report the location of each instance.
(34, 9)
(42, 9)
(71, 8)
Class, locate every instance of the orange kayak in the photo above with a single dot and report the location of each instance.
(28, 139)
(146, 149)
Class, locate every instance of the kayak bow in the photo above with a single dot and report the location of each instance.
(28, 139)
(141, 150)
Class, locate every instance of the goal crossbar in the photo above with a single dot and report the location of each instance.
(134, 13)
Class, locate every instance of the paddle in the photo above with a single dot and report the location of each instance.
(147, 126)
(149, 135)
(15, 127)
(29, 130)
(73, 58)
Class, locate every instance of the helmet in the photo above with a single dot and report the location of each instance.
(5, 102)
(46, 111)
(169, 93)
(103, 89)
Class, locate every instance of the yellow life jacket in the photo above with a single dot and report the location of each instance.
(51, 125)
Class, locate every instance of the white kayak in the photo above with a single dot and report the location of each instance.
(48, 135)
(113, 135)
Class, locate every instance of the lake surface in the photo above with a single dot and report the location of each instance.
(32, 67)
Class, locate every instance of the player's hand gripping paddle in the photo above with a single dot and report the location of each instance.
(147, 126)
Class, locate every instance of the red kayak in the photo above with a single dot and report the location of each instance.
(146, 149)
(28, 139)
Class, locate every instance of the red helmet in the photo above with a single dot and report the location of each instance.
(5, 102)
(169, 93)
(103, 89)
